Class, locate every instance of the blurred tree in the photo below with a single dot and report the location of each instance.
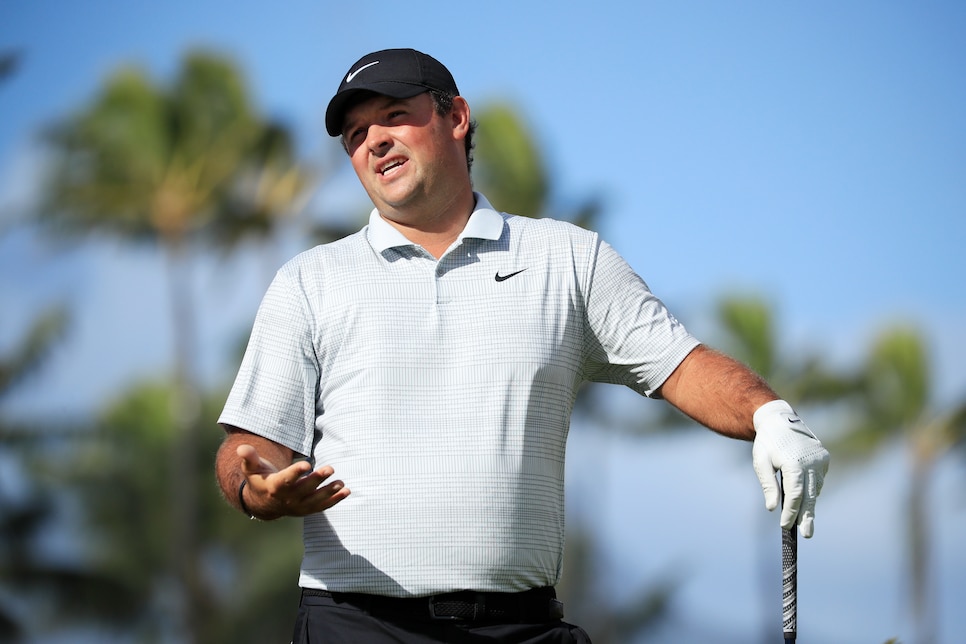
(749, 335)
(887, 399)
(29, 355)
(28, 573)
(174, 164)
(899, 407)
(746, 330)
(9, 61)
(508, 168)
(23, 514)
(40, 588)
(246, 571)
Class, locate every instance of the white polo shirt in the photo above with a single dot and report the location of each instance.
(441, 393)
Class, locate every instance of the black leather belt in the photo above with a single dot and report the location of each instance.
(529, 607)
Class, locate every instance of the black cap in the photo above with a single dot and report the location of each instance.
(400, 73)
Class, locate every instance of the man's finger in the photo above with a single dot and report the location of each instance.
(327, 496)
(253, 463)
(806, 523)
(295, 472)
(766, 476)
(249, 459)
(806, 519)
(793, 486)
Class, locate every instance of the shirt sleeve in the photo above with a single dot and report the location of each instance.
(274, 394)
(634, 340)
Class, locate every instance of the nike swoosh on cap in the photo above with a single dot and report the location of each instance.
(355, 73)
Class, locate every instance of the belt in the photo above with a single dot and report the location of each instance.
(533, 606)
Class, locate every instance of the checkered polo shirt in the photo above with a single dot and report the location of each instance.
(441, 393)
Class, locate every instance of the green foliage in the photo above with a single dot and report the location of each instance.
(898, 406)
(895, 388)
(897, 377)
(147, 161)
(9, 61)
(59, 592)
(121, 471)
(174, 163)
(31, 351)
(508, 167)
(267, 185)
(750, 324)
(510, 170)
(27, 572)
(749, 335)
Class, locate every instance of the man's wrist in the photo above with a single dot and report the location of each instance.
(769, 410)
(241, 500)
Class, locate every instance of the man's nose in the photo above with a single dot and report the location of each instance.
(378, 139)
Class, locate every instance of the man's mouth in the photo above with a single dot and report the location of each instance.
(390, 167)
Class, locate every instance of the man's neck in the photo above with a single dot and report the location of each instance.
(436, 233)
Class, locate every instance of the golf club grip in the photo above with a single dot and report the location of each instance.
(789, 584)
(789, 577)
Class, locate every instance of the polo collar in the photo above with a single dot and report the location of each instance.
(484, 223)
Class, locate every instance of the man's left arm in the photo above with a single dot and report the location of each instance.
(726, 396)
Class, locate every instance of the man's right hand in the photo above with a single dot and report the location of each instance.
(295, 490)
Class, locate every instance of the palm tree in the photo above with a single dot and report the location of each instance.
(26, 514)
(510, 171)
(21, 517)
(898, 407)
(162, 164)
(32, 351)
(32, 577)
(247, 593)
(888, 400)
(747, 331)
(508, 167)
(749, 335)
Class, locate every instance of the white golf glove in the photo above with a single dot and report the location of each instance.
(784, 442)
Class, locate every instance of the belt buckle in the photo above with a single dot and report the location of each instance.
(442, 618)
(479, 609)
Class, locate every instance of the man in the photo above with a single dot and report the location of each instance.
(433, 359)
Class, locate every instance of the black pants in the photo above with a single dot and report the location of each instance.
(322, 620)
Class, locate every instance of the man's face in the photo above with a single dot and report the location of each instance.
(408, 158)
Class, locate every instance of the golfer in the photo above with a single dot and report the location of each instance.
(429, 363)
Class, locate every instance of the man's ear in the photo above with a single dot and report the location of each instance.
(460, 115)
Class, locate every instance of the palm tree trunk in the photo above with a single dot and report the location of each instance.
(184, 452)
(920, 540)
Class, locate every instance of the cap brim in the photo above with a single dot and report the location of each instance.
(335, 112)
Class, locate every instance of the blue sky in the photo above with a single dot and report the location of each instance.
(811, 153)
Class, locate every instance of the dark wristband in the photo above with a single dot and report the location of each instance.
(241, 499)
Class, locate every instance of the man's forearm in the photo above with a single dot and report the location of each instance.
(718, 391)
(228, 469)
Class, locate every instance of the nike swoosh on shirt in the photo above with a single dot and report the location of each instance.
(355, 73)
(500, 278)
